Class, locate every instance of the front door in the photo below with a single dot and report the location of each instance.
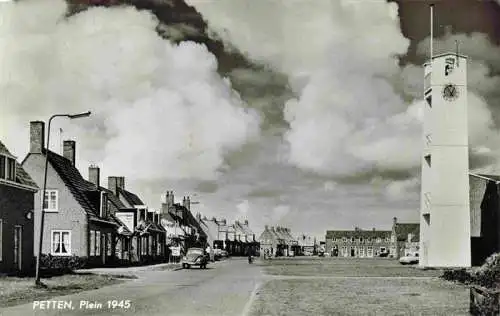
(18, 247)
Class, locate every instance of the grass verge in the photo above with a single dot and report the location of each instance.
(360, 297)
(16, 291)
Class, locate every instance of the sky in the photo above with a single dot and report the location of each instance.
(325, 135)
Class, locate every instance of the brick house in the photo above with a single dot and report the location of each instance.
(17, 191)
(183, 229)
(484, 194)
(250, 244)
(405, 238)
(123, 234)
(276, 241)
(358, 243)
(77, 221)
(268, 243)
(307, 245)
(147, 242)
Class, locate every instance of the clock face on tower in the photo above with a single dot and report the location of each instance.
(450, 92)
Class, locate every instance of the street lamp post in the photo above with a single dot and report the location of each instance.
(42, 214)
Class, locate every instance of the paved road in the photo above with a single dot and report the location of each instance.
(224, 288)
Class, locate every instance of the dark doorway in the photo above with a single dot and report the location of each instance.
(352, 252)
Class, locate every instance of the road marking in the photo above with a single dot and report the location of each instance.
(248, 305)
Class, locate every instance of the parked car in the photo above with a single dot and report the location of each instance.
(195, 257)
(384, 254)
(410, 258)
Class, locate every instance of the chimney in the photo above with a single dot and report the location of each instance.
(172, 200)
(394, 220)
(150, 216)
(69, 150)
(266, 227)
(95, 175)
(223, 221)
(37, 136)
(373, 229)
(246, 222)
(114, 183)
(198, 217)
(186, 202)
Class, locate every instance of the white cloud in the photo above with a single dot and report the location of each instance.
(159, 109)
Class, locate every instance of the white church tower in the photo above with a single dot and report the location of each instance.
(444, 207)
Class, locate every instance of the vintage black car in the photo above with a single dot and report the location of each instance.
(195, 257)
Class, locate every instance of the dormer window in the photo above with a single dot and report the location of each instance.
(103, 212)
(7, 168)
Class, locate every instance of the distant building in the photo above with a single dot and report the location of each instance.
(405, 238)
(181, 226)
(17, 191)
(358, 243)
(277, 241)
(307, 245)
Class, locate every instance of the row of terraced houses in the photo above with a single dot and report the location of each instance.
(94, 224)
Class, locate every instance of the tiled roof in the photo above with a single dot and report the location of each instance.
(403, 229)
(22, 177)
(115, 201)
(73, 180)
(80, 188)
(358, 233)
(267, 235)
(210, 228)
(131, 198)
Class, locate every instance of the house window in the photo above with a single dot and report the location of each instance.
(369, 251)
(61, 242)
(362, 252)
(344, 239)
(51, 201)
(144, 245)
(352, 239)
(108, 244)
(97, 243)
(379, 240)
(361, 239)
(92, 243)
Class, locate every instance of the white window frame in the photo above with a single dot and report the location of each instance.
(51, 210)
(369, 251)
(361, 252)
(98, 243)
(7, 161)
(52, 250)
(92, 243)
(109, 244)
(101, 208)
